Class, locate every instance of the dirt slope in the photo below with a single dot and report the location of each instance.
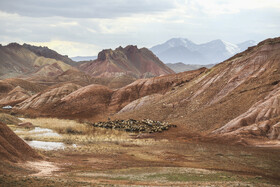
(12, 148)
(45, 101)
(240, 92)
(15, 96)
(13, 91)
(89, 101)
(48, 53)
(114, 69)
(156, 85)
(19, 61)
(96, 101)
(262, 119)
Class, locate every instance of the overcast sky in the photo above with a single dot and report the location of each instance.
(84, 27)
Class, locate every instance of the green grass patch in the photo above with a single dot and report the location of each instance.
(184, 177)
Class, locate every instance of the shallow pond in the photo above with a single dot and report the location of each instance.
(42, 133)
(46, 145)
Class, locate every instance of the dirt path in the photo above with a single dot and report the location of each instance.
(44, 168)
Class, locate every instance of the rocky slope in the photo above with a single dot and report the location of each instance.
(15, 96)
(97, 101)
(139, 63)
(14, 91)
(156, 85)
(48, 53)
(19, 61)
(237, 97)
(87, 102)
(45, 101)
(114, 69)
(262, 119)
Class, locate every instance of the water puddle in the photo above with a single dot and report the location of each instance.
(46, 145)
(38, 131)
(43, 133)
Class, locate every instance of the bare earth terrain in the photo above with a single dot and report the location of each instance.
(109, 157)
(90, 124)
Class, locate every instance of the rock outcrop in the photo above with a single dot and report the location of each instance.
(114, 69)
(139, 63)
(48, 53)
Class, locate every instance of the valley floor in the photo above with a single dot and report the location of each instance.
(94, 156)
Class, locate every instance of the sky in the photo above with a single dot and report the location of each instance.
(85, 27)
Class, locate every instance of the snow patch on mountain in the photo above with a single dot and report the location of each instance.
(188, 52)
(231, 48)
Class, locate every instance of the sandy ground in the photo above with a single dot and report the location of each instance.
(44, 168)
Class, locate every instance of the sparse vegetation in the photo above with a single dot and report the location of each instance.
(118, 157)
(9, 119)
(73, 132)
(61, 126)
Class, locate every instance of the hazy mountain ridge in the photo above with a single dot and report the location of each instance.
(83, 58)
(112, 68)
(48, 53)
(19, 61)
(181, 67)
(186, 51)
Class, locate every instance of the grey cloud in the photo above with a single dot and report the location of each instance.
(84, 8)
(50, 20)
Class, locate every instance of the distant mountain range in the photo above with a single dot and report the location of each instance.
(113, 68)
(181, 67)
(83, 58)
(237, 100)
(188, 52)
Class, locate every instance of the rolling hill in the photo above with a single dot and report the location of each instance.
(239, 97)
(19, 61)
(236, 98)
